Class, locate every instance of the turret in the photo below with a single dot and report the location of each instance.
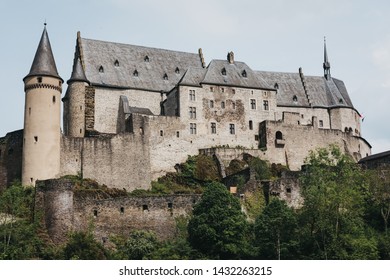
(326, 63)
(74, 101)
(42, 131)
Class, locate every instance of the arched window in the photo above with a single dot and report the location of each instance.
(146, 58)
(276, 86)
(165, 77)
(177, 70)
(243, 73)
(116, 63)
(279, 135)
(101, 69)
(295, 98)
(223, 71)
(135, 73)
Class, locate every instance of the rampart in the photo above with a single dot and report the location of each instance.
(65, 209)
(11, 147)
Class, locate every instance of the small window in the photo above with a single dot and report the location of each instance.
(251, 125)
(192, 95)
(276, 86)
(265, 105)
(279, 135)
(145, 207)
(60, 83)
(81, 108)
(223, 105)
(192, 112)
(177, 70)
(233, 105)
(341, 101)
(232, 128)
(161, 133)
(243, 73)
(101, 69)
(233, 91)
(135, 73)
(192, 128)
(222, 90)
(253, 104)
(320, 123)
(295, 99)
(81, 130)
(213, 128)
(39, 79)
(116, 63)
(170, 205)
(122, 210)
(165, 77)
(35, 139)
(177, 134)
(54, 99)
(288, 190)
(95, 213)
(211, 104)
(211, 89)
(141, 130)
(31, 180)
(146, 58)
(223, 71)
(256, 137)
(29, 111)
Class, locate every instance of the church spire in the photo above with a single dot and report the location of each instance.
(326, 64)
(44, 64)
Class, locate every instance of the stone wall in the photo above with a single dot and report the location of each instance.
(65, 209)
(120, 161)
(11, 148)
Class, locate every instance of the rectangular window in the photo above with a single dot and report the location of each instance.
(192, 95)
(192, 112)
(232, 129)
(253, 104)
(213, 128)
(251, 125)
(211, 104)
(192, 128)
(265, 105)
(211, 89)
(321, 123)
(223, 105)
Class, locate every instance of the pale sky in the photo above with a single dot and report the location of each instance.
(277, 35)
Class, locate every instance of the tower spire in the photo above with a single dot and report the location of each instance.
(44, 63)
(326, 64)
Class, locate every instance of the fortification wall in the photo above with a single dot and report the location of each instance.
(65, 209)
(120, 161)
(11, 150)
(345, 119)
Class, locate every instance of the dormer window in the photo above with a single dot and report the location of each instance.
(295, 99)
(177, 70)
(223, 71)
(243, 73)
(276, 86)
(165, 77)
(135, 73)
(116, 63)
(146, 58)
(101, 69)
(341, 100)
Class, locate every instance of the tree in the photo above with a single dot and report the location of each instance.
(334, 190)
(139, 245)
(83, 246)
(218, 227)
(276, 231)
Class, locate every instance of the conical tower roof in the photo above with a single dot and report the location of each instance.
(44, 64)
(78, 74)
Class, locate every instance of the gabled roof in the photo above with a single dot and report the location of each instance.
(239, 74)
(44, 63)
(128, 66)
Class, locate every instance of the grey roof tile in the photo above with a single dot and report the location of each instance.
(120, 61)
(78, 74)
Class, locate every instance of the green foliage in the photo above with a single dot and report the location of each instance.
(261, 168)
(83, 246)
(137, 246)
(334, 190)
(254, 203)
(206, 169)
(276, 232)
(235, 166)
(218, 227)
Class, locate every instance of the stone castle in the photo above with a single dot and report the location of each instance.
(132, 113)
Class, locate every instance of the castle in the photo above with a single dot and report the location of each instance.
(131, 113)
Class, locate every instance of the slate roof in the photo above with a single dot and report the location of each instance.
(129, 66)
(78, 74)
(44, 63)
(142, 111)
(320, 92)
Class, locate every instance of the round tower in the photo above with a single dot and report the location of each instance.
(74, 102)
(42, 130)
